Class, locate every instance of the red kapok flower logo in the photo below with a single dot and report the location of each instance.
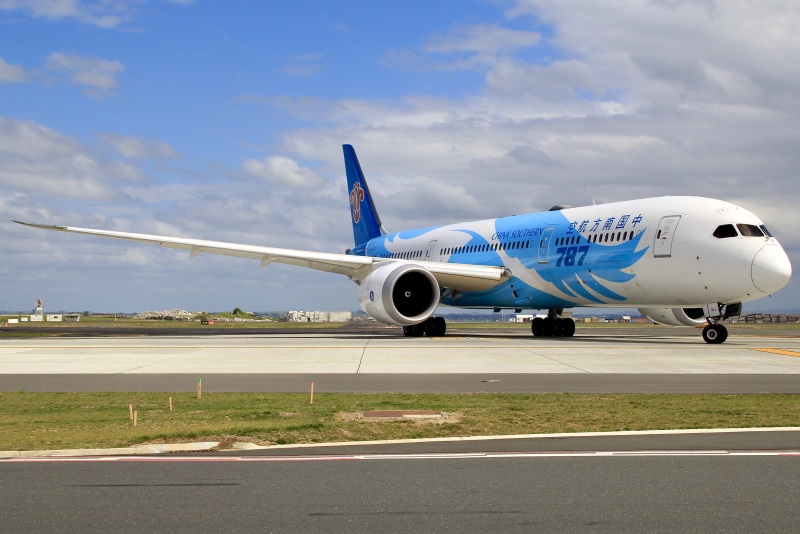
(356, 196)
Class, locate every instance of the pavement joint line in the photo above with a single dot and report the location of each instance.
(151, 364)
(205, 446)
(361, 359)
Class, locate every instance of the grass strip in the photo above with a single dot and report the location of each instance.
(42, 421)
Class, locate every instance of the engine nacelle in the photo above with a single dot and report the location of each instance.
(399, 293)
(676, 316)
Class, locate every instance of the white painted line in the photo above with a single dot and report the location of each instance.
(428, 456)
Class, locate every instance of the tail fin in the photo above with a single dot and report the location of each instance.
(366, 223)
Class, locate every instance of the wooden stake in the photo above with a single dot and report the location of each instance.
(199, 387)
(130, 412)
(135, 417)
(170, 404)
(311, 401)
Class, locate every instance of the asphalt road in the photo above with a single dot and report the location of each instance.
(490, 493)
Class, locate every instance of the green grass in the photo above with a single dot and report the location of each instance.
(42, 421)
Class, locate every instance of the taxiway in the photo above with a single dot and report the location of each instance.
(615, 360)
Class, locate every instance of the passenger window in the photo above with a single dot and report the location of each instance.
(725, 230)
(750, 230)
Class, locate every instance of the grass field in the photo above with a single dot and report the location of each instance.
(44, 421)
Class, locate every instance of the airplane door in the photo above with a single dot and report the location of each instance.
(431, 252)
(665, 235)
(544, 245)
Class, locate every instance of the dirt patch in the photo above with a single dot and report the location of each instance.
(417, 416)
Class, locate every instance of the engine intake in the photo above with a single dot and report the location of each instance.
(399, 293)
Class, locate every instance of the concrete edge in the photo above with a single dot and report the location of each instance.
(205, 446)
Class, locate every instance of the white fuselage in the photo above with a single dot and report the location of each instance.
(666, 251)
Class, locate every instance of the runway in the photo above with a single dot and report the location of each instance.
(654, 359)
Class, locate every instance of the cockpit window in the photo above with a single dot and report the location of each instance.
(725, 230)
(750, 230)
(766, 232)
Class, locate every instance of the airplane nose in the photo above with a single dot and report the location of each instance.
(771, 269)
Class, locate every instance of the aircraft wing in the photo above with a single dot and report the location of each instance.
(461, 277)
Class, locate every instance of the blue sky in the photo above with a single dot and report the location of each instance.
(225, 121)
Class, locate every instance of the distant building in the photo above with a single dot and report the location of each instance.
(319, 316)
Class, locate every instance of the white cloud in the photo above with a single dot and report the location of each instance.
(464, 48)
(304, 65)
(97, 75)
(99, 13)
(37, 160)
(281, 170)
(12, 73)
(140, 149)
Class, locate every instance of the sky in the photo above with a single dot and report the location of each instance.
(225, 120)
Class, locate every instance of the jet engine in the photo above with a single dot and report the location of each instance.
(402, 294)
(676, 316)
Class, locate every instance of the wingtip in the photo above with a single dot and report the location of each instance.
(43, 226)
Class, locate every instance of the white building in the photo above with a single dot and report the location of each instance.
(319, 316)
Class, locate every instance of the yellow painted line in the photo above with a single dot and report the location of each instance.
(780, 351)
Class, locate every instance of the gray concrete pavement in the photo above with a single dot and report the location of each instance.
(646, 353)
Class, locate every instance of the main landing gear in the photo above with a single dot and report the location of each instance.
(553, 325)
(432, 327)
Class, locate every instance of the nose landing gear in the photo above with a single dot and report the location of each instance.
(715, 334)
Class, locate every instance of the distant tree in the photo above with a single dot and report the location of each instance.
(238, 311)
(86, 314)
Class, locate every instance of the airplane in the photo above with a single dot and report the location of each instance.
(682, 261)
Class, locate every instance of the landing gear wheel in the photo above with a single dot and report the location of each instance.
(559, 331)
(549, 327)
(439, 326)
(537, 327)
(414, 330)
(568, 327)
(715, 334)
(429, 327)
(432, 327)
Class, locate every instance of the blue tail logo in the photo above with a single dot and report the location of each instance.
(366, 223)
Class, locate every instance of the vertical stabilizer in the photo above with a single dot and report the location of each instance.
(363, 215)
